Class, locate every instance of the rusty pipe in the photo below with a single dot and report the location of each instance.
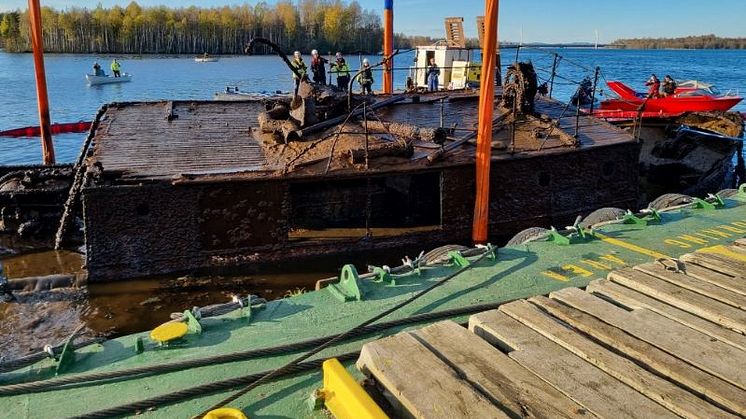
(37, 41)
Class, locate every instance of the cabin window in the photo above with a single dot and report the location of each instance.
(385, 206)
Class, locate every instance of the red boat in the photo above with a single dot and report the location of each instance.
(689, 97)
(62, 128)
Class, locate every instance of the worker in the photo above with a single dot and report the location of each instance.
(366, 78)
(655, 85)
(342, 70)
(116, 68)
(669, 86)
(301, 70)
(318, 67)
(97, 71)
(432, 75)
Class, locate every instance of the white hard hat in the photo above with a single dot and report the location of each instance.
(339, 55)
(314, 52)
(296, 53)
(365, 61)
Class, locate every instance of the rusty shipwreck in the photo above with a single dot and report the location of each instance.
(182, 186)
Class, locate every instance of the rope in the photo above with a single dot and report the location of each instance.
(291, 364)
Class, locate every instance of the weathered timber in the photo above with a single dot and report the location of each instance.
(661, 391)
(630, 298)
(600, 393)
(495, 375)
(337, 120)
(381, 149)
(684, 299)
(424, 385)
(719, 391)
(673, 337)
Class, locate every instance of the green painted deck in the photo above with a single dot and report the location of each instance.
(524, 271)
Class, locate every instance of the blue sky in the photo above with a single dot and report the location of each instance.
(541, 20)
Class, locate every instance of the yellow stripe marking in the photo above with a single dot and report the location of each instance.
(724, 251)
(630, 246)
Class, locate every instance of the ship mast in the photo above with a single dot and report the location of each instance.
(47, 146)
(480, 227)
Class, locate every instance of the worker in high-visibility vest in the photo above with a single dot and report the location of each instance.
(300, 69)
(343, 71)
(116, 68)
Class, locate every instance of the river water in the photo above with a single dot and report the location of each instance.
(158, 77)
(115, 309)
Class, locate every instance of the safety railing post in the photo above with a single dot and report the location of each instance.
(554, 73)
(593, 93)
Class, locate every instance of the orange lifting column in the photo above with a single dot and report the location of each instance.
(388, 45)
(484, 132)
(47, 147)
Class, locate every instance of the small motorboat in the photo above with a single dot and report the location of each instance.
(94, 80)
(206, 59)
(690, 96)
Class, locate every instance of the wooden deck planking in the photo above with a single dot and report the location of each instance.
(718, 263)
(656, 388)
(635, 300)
(692, 284)
(599, 392)
(722, 280)
(685, 343)
(137, 140)
(684, 299)
(494, 374)
(424, 385)
(646, 342)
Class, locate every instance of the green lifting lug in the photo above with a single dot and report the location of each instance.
(557, 238)
(192, 323)
(139, 345)
(654, 215)
(702, 204)
(630, 218)
(349, 287)
(66, 358)
(382, 274)
(458, 259)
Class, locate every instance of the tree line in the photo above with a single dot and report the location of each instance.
(688, 42)
(326, 25)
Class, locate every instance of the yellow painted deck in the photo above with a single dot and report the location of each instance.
(663, 339)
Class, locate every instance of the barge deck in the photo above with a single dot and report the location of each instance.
(116, 378)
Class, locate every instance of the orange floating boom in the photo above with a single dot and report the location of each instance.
(480, 227)
(388, 45)
(47, 147)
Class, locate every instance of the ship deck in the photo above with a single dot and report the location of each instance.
(238, 347)
(656, 340)
(176, 139)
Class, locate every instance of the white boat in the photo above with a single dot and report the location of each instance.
(206, 59)
(96, 80)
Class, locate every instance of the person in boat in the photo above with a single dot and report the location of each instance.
(342, 70)
(433, 72)
(97, 71)
(318, 67)
(655, 85)
(366, 78)
(116, 68)
(301, 69)
(669, 86)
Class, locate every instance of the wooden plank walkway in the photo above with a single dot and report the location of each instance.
(661, 340)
